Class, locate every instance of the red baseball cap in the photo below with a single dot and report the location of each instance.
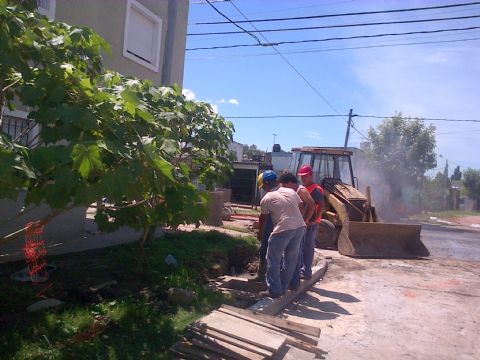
(305, 170)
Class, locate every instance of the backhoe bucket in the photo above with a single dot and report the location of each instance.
(363, 239)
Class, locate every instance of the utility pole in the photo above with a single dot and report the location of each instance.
(348, 127)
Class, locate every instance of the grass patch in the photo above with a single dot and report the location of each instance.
(133, 319)
(243, 211)
(236, 228)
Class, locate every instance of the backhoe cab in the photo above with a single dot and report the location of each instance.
(349, 220)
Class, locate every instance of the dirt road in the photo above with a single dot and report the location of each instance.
(400, 309)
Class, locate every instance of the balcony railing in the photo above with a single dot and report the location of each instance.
(23, 131)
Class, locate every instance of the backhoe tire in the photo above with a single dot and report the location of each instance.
(327, 235)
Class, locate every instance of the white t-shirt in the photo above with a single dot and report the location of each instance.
(282, 205)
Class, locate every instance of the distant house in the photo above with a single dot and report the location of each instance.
(237, 149)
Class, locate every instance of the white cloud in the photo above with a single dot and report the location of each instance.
(232, 101)
(189, 94)
(314, 135)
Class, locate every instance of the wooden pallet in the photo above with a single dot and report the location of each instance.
(234, 333)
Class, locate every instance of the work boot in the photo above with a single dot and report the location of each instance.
(262, 270)
(267, 293)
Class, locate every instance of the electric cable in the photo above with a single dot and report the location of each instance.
(341, 115)
(337, 26)
(333, 39)
(233, 22)
(291, 65)
(338, 49)
(420, 118)
(339, 15)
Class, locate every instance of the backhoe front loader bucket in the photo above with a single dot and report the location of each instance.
(363, 239)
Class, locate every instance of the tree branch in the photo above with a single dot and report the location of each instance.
(120, 207)
(10, 85)
(44, 221)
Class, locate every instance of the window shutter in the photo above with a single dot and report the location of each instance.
(141, 36)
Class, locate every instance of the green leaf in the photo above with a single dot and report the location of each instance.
(87, 159)
(190, 106)
(86, 84)
(165, 168)
(69, 68)
(130, 97)
(170, 146)
(145, 115)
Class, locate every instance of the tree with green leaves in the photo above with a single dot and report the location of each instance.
(457, 174)
(435, 192)
(102, 135)
(471, 181)
(402, 150)
(252, 152)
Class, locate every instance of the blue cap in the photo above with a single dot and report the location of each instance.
(266, 176)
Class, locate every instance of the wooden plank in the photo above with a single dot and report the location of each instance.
(224, 348)
(191, 352)
(273, 307)
(228, 339)
(307, 346)
(281, 323)
(289, 334)
(244, 330)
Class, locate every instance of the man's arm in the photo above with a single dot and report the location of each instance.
(309, 204)
(261, 226)
(317, 195)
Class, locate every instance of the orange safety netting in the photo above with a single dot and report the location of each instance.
(35, 251)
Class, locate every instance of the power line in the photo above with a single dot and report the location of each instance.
(339, 15)
(400, 16)
(339, 49)
(340, 115)
(283, 116)
(421, 118)
(233, 22)
(457, 132)
(358, 131)
(337, 26)
(206, 2)
(334, 39)
(291, 65)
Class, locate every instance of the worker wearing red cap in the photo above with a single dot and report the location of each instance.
(308, 245)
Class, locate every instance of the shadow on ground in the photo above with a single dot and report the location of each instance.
(343, 297)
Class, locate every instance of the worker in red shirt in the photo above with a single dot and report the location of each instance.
(308, 245)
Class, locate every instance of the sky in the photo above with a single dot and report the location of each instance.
(426, 75)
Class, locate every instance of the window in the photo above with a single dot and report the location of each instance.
(142, 35)
(47, 8)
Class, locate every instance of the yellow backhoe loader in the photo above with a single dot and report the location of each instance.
(349, 220)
